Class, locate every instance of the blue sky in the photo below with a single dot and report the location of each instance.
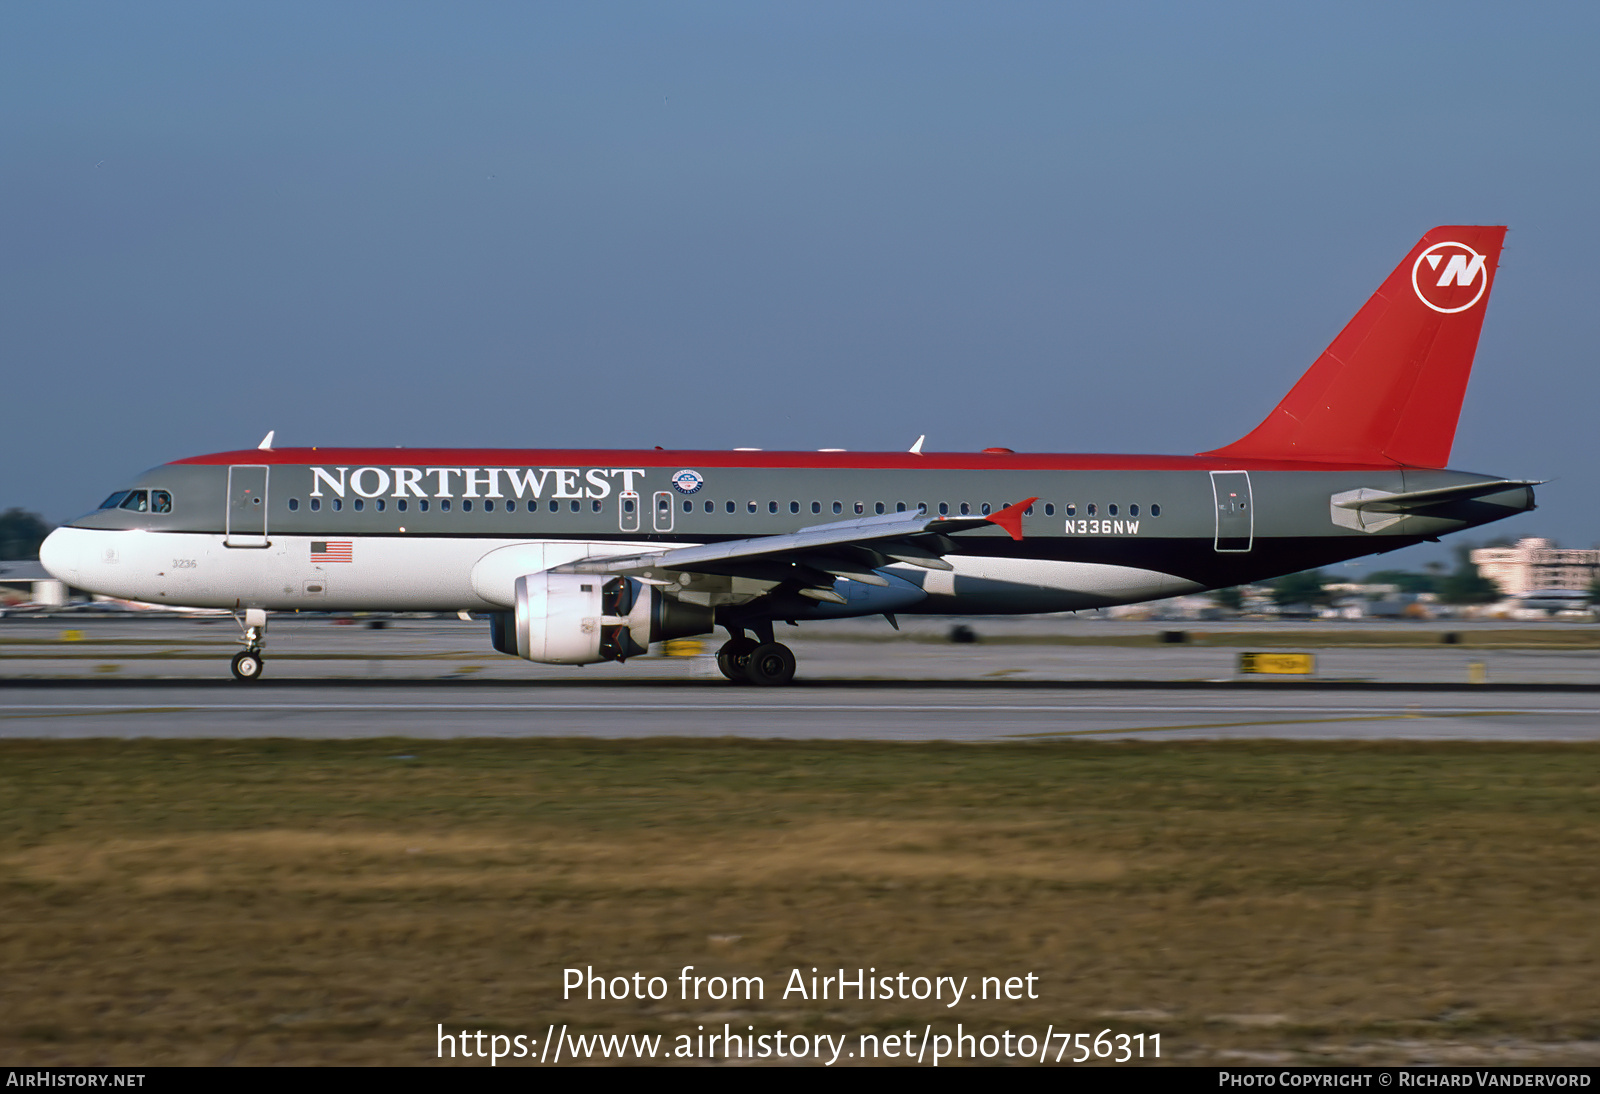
(1054, 227)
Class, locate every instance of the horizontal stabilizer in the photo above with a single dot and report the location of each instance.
(1380, 501)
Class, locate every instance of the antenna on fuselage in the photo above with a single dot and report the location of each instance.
(916, 449)
(266, 442)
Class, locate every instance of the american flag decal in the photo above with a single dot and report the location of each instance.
(334, 550)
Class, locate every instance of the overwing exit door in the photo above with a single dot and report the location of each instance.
(245, 517)
(1236, 518)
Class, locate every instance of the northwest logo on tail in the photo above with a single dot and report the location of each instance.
(1449, 277)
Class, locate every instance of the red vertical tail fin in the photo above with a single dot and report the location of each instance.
(1389, 388)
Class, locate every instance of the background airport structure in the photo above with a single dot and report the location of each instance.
(1535, 564)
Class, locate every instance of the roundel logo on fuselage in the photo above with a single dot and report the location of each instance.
(1449, 277)
(687, 482)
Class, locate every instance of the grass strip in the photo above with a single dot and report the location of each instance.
(331, 901)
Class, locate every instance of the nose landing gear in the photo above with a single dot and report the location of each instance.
(247, 665)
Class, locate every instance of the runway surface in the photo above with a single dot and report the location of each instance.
(346, 709)
(436, 679)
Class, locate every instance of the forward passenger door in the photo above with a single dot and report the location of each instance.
(245, 516)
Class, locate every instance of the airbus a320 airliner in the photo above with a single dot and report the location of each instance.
(584, 556)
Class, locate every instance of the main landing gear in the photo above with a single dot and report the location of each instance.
(747, 661)
(248, 664)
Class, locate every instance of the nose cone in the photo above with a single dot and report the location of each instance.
(62, 554)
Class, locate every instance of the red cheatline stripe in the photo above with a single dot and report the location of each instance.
(670, 461)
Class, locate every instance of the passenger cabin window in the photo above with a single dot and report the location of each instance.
(1091, 509)
(794, 507)
(816, 507)
(444, 506)
(1111, 510)
(711, 507)
(944, 509)
(772, 507)
(688, 506)
(878, 508)
(381, 505)
(294, 505)
(984, 508)
(422, 504)
(401, 505)
(750, 506)
(1049, 508)
(316, 504)
(338, 505)
(838, 507)
(1133, 510)
(730, 506)
(1155, 510)
(137, 500)
(966, 510)
(358, 505)
(555, 506)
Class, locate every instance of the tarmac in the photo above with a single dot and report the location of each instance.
(1022, 680)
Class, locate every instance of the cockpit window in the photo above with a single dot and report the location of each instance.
(137, 500)
(160, 501)
(114, 500)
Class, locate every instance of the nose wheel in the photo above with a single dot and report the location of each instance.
(247, 665)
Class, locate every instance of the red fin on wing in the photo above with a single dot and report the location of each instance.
(1010, 518)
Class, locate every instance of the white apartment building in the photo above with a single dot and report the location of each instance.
(1534, 564)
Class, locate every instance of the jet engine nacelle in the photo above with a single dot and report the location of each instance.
(582, 619)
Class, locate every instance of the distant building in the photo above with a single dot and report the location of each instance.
(1534, 564)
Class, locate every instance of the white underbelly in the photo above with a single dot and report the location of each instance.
(351, 573)
(1018, 585)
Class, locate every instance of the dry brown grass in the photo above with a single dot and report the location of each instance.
(302, 902)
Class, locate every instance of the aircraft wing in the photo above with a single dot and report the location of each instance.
(846, 548)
